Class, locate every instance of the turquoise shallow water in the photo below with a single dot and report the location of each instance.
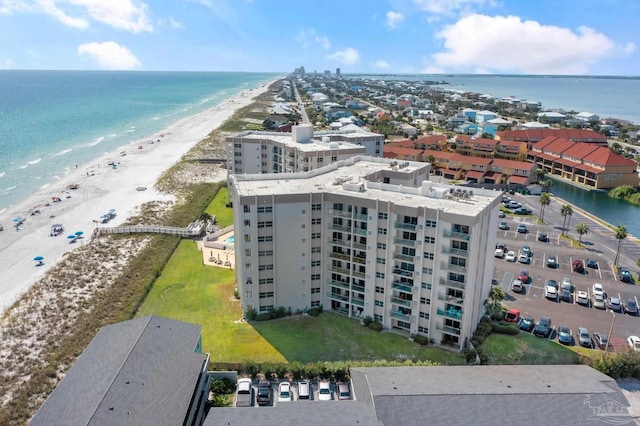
(52, 120)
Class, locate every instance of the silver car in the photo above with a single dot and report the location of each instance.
(582, 335)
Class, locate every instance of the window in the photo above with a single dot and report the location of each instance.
(265, 253)
(382, 246)
(424, 315)
(459, 245)
(430, 240)
(265, 239)
(408, 251)
(315, 303)
(456, 277)
(377, 143)
(425, 301)
(426, 286)
(380, 290)
(428, 256)
(315, 290)
(430, 224)
(266, 294)
(265, 268)
(382, 231)
(267, 224)
(265, 209)
(316, 236)
(262, 281)
(317, 221)
(315, 249)
(381, 261)
(315, 277)
(304, 211)
(377, 317)
(315, 263)
(319, 159)
(382, 215)
(379, 303)
(249, 293)
(428, 271)
(423, 330)
(247, 238)
(247, 252)
(334, 158)
(316, 207)
(247, 209)
(458, 261)
(380, 275)
(237, 145)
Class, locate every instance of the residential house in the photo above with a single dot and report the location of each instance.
(469, 113)
(467, 129)
(534, 125)
(482, 116)
(510, 171)
(551, 116)
(337, 113)
(587, 116)
(274, 121)
(475, 147)
(532, 136)
(402, 153)
(511, 150)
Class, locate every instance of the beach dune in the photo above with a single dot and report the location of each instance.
(100, 188)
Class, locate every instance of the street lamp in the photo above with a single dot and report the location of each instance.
(613, 321)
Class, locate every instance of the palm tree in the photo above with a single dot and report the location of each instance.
(545, 200)
(582, 229)
(621, 234)
(565, 211)
(540, 173)
(493, 305)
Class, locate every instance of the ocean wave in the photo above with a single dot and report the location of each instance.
(2, 174)
(113, 135)
(8, 189)
(131, 130)
(45, 186)
(155, 118)
(96, 142)
(32, 162)
(63, 152)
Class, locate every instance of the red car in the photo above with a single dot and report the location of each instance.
(524, 276)
(512, 315)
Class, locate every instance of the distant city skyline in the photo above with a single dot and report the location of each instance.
(570, 37)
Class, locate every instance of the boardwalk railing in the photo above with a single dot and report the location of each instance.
(193, 230)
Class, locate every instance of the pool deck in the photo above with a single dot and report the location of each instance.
(222, 258)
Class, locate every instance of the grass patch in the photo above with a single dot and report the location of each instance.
(524, 349)
(574, 243)
(217, 207)
(333, 337)
(189, 291)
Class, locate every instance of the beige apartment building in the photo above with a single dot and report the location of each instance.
(367, 237)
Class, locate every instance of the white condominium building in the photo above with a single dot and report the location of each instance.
(367, 237)
(255, 152)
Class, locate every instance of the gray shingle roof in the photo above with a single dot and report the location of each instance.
(142, 371)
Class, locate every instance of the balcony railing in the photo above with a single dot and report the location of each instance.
(453, 234)
(404, 225)
(400, 315)
(457, 252)
(402, 302)
(452, 267)
(343, 243)
(404, 257)
(339, 284)
(358, 274)
(340, 270)
(342, 228)
(360, 260)
(359, 231)
(451, 283)
(447, 329)
(341, 256)
(359, 246)
(451, 299)
(403, 272)
(410, 243)
(450, 313)
(402, 287)
(341, 213)
(357, 302)
(340, 297)
(359, 216)
(356, 287)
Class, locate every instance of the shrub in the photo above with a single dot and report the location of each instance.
(625, 364)
(222, 386)
(314, 312)
(281, 312)
(250, 314)
(470, 354)
(376, 326)
(505, 328)
(263, 317)
(421, 340)
(236, 294)
(367, 320)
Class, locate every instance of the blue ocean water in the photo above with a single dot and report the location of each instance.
(52, 120)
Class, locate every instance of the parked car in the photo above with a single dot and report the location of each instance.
(551, 262)
(499, 253)
(631, 307)
(505, 199)
(284, 392)
(566, 284)
(513, 205)
(511, 256)
(524, 276)
(614, 304)
(592, 264)
(324, 392)
(501, 214)
(600, 340)
(551, 293)
(578, 266)
(543, 327)
(304, 389)
(502, 246)
(527, 250)
(512, 315)
(527, 323)
(264, 393)
(543, 237)
(343, 391)
(634, 343)
(517, 286)
(522, 210)
(522, 228)
(598, 301)
(597, 289)
(523, 258)
(583, 337)
(565, 296)
(564, 335)
(582, 298)
(244, 395)
(503, 225)
(625, 276)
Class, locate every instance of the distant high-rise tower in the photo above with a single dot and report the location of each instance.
(327, 72)
(338, 72)
(302, 70)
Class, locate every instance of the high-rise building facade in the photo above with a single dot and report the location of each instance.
(367, 237)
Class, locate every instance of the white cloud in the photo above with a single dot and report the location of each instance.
(49, 7)
(348, 56)
(508, 44)
(310, 36)
(110, 55)
(394, 18)
(176, 25)
(448, 7)
(382, 64)
(6, 63)
(629, 48)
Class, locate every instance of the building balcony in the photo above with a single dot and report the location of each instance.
(402, 241)
(341, 213)
(340, 270)
(400, 315)
(360, 260)
(357, 302)
(404, 257)
(402, 287)
(335, 296)
(343, 243)
(451, 283)
(402, 302)
(447, 329)
(456, 252)
(450, 313)
(358, 274)
(359, 216)
(403, 225)
(451, 267)
(403, 272)
(360, 231)
(358, 288)
(451, 299)
(341, 256)
(453, 234)
(339, 284)
(359, 246)
(342, 228)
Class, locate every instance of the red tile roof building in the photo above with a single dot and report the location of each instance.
(532, 136)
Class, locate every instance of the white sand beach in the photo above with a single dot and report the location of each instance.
(100, 188)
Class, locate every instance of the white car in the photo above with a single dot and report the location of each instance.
(582, 298)
(598, 301)
(284, 392)
(511, 256)
(634, 343)
(499, 253)
(523, 258)
(551, 293)
(324, 394)
(597, 290)
(566, 284)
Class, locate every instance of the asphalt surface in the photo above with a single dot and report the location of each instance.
(601, 246)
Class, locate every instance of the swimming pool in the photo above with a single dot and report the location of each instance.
(231, 239)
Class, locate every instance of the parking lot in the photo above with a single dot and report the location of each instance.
(314, 394)
(533, 302)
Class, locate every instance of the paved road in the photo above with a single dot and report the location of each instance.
(601, 247)
(303, 112)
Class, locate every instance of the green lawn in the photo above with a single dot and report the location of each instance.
(189, 291)
(333, 337)
(218, 207)
(526, 348)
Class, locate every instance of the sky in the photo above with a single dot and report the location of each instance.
(548, 37)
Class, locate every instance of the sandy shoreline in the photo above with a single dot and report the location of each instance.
(101, 188)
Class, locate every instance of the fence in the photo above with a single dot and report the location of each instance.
(193, 230)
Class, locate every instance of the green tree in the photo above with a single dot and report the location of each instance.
(540, 174)
(621, 234)
(493, 305)
(545, 200)
(582, 229)
(566, 211)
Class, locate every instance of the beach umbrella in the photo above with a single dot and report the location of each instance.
(17, 219)
(71, 237)
(38, 258)
(112, 211)
(78, 233)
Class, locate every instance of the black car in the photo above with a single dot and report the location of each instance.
(527, 323)
(592, 264)
(631, 307)
(565, 296)
(522, 210)
(264, 393)
(543, 237)
(625, 275)
(564, 335)
(543, 327)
